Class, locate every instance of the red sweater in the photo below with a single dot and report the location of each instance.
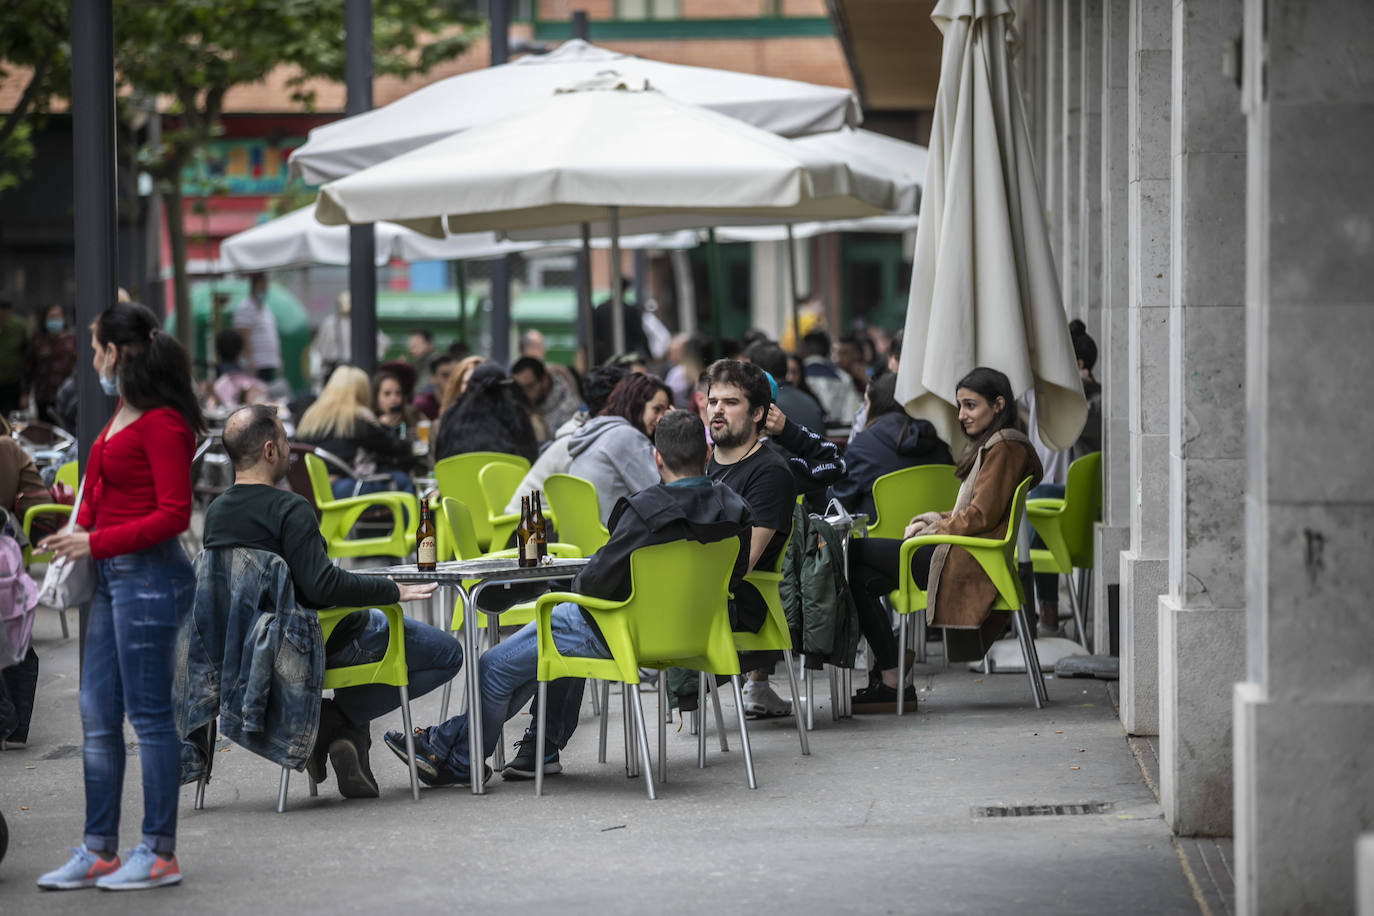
(138, 484)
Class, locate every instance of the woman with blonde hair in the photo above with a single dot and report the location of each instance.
(458, 381)
(341, 422)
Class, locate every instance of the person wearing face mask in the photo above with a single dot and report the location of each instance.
(615, 450)
(959, 594)
(136, 500)
(254, 320)
(51, 360)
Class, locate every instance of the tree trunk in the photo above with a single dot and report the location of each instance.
(176, 233)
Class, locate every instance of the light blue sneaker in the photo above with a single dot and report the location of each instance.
(143, 869)
(83, 869)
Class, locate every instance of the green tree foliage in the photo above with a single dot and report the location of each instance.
(34, 47)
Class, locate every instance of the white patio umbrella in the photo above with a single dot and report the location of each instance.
(589, 154)
(297, 239)
(458, 103)
(984, 290)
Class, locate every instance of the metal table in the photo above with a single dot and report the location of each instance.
(454, 574)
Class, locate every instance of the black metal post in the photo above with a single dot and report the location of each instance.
(93, 193)
(501, 267)
(362, 241)
(94, 208)
(579, 24)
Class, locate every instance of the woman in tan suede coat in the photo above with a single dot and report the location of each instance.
(959, 594)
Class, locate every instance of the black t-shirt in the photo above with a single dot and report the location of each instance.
(265, 518)
(765, 483)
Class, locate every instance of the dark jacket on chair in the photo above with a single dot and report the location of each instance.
(250, 655)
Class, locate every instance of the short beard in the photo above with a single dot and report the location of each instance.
(730, 439)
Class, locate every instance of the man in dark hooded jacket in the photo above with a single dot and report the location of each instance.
(686, 505)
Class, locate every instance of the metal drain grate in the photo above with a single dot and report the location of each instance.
(1040, 810)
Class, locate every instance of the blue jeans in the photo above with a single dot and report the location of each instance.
(433, 657)
(343, 487)
(508, 682)
(138, 605)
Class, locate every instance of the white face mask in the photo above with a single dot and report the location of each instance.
(109, 384)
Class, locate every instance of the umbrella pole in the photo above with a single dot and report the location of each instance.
(617, 294)
(794, 285)
(715, 280)
(461, 277)
(584, 298)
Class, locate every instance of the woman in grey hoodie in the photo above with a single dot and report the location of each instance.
(615, 450)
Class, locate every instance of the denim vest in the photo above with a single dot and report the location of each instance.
(248, 654)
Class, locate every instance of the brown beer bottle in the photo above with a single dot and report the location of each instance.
(541, 539)
(426, 552)
(524, 536)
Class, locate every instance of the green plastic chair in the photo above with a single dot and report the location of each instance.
(573, 501)
(676, 616)
(902, 495)
(774, 635)
(391, 669)
(337, 517)
(998, 559)
(457, 476)
(499, 482)
(1066, 527)
(66, 474)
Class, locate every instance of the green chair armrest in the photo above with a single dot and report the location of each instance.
(1043, 507)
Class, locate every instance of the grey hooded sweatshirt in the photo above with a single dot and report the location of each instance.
(617, 458)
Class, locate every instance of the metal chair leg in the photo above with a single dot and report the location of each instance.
(796, 709)
(810, 677)
(62, 617)
(1032, 658)
(596, 698)
(1076, 602)
(631, 762)
(605, 719)
(643, 733)
(314, 787)
(835, 705)
(662, 727)
(281, 790)
(700, 721)
(720, 720)
(410, 744)
(539, 729)
(901, 663)
(209, 765)
(744, 731)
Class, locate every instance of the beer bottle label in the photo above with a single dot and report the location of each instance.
(426, 551)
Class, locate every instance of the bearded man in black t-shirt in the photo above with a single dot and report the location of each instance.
(737, 404)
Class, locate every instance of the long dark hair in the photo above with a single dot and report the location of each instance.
(990, 385)
(487, 417)
(631, 394)
(153, 368)
(882, 398)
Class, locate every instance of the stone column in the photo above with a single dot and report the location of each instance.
(1304, 718)
(1089, 285)
(1144, 566)
(1113, 533)
(1052, 164)
(1202, 618)
(1069, 229)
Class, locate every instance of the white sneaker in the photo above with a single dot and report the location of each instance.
(761, 701)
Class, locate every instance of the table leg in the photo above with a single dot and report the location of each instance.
(476, 759)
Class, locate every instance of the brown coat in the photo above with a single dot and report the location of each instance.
(20, 485)
(960, 593)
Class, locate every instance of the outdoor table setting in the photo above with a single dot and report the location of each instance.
(486, 572)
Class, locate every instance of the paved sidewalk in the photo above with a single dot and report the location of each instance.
(880, 819)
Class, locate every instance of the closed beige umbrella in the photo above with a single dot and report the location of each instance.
(984, 289)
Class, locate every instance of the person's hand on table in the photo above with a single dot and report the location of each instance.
(416, 591)
(71, 545)
(774, 421)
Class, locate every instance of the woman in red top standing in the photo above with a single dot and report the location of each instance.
(137, 500)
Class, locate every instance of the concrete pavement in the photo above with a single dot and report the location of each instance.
(880, 819)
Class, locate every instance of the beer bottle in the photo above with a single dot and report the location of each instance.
(426, 552)
(541, 538)
(524, 536)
